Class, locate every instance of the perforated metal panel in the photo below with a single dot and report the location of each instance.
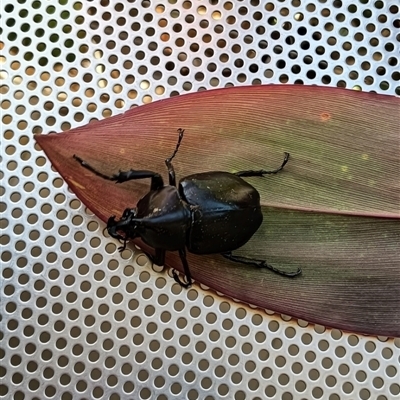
(78, 321)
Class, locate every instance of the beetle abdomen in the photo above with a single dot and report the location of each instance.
(219, 231)
(218, 189)
(226, 211)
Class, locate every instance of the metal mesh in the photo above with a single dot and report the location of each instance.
(80, 322)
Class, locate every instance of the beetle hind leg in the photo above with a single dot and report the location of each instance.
(263, 172)
(260, 264)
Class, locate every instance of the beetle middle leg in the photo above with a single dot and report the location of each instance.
(168, 161)
(182, 254)
(159, 259)
(260, 264)
(263, 172)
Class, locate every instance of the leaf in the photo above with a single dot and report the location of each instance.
(333, 211)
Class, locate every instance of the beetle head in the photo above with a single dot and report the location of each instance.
(126, 228)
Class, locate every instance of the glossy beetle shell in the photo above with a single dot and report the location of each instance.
(225, 211)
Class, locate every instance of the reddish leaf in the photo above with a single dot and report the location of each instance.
(333, 211)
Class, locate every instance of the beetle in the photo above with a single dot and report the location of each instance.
(208, 213)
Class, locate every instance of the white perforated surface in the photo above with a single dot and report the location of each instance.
(80, 322)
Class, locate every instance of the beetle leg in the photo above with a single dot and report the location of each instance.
(168, 161)
(260, 264)
(159, 257)
(124, 176)
(263, 172)
(112, 227)
(123, 247)
(182, 254)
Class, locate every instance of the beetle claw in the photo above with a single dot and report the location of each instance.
(111, 221)
(177, 280)
(123, 247)
(294, 273)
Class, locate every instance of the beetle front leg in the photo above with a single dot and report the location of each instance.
(263, 172)
(260, 264)
(124, 176)
(182, 254)
(112, 227)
